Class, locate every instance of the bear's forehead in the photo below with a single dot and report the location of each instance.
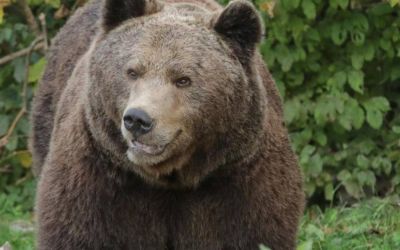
(170, 37)
(173, 21)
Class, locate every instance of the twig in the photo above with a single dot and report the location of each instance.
(4, 140)
(23, 179)
(22, 111)
(20, 53)
(5, 169)
(30, 18)
(42, 18)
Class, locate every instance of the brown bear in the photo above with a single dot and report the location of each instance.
(158, 126)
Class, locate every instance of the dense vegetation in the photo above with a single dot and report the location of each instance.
(337, 66)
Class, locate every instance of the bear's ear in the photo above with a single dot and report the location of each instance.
(117, 11)
(241, 23)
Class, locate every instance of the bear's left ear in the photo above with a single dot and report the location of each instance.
(116, 12)
(240, 22)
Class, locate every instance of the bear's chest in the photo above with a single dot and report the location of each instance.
(151, 220)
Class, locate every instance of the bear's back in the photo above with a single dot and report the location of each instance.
(68, 46)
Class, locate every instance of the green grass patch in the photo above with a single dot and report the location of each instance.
(16, 217)
(18, 232)
(372, 224)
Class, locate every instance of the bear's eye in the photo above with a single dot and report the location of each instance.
(183, 82)
(132, 74)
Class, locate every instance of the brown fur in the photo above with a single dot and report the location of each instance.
(231, 181)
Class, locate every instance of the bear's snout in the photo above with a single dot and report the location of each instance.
(137, 121)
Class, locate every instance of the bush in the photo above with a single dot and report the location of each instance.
(336, 64)
(15, 35)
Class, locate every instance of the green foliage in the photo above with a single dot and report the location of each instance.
(16, 225)
(336, 64)
(15, 35)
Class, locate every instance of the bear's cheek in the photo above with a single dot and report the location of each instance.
(114, 96)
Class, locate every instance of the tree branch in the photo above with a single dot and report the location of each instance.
(23, 110)
(30, 18)
(20, 53)
(42, 18)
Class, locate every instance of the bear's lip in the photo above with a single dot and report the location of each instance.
(146, 148)
(153, 150)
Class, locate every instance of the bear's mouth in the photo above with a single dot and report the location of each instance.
(149, 149)
(146, 148)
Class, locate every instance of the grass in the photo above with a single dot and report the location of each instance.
(16, 220)
(372, 224)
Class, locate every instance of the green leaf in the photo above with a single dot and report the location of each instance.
(290, 4)
(337, 80)
(3, 3)
(357, 60)
(344, 175)
(353, 115)
(338, 34)
(357, 37)
(1, 14)
(380, 103)
(54, 3)
(284, 57)
(291, 110)
(321, 138)
(369, 52)
(353, 188)
(370, 178)
(295, 79)
(374, 118)
(356, 80)
(314, 231)
(329, 191)
(12, 143)
(394, 2)
(263, 247)
(25, 158)
(306, 245)
(36, 70)
(306, 153)
(362, 161)
(19, 69)
(309, 9)
(314, 165)
(375, 108)
(4, 123)
(343, 3)
(396, 129)
(385, 45)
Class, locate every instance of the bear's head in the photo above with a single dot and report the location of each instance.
(173, 88)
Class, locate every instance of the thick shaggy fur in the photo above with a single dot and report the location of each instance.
(230, 182)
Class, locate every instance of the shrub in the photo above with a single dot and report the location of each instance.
(337, 65)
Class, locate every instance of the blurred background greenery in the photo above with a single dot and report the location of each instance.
(337, 66)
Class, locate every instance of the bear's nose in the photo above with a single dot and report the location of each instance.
(137, 121)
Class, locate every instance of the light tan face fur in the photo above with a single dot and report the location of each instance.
(189, 119)
(155, 93)
(160, 55)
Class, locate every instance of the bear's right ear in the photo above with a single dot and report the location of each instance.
(240, 23)
(117, 11)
